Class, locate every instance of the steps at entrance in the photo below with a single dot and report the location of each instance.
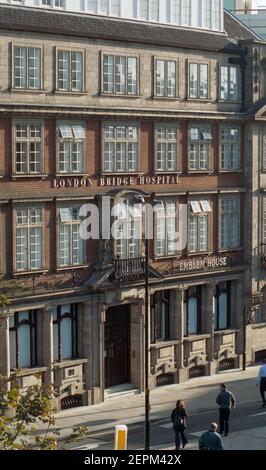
(120, 391)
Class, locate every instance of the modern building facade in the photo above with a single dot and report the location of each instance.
(140, 112)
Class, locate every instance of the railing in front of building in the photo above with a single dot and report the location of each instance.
(129, 269)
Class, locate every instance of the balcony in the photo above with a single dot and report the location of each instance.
(129, 270)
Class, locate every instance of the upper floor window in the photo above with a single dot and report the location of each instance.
(166, 229)
(53, 3)
(121, 148)
(28, 148)
(198, 81)
(28, 239)
(71, 245)
(71, 147)
(200, 139)
(199, 226)
(27, 72)
(128, 230)
(167, 148)
(70, 71)
(149, 10)
(229, 148)
(230, 222)
(104, 7)
(222, 306)
(120, 75)
(165, 78)
(229, 83)
(65, 332)
(23, 339)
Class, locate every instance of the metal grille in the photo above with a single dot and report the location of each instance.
(165, 379)
(197, 371)
(73, 401)
(226, 364)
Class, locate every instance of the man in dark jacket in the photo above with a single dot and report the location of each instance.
(211, 440)
(226, 401)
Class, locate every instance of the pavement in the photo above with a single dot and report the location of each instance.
(199, 396)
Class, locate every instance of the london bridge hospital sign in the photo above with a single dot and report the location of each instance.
(111, 181)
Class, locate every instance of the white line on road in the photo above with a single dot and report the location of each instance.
(259, 414)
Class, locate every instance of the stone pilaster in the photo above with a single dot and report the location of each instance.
(137, 345)
(210, 326)
(179, 303)
(90, 349)
(5, 349)
(47, 345)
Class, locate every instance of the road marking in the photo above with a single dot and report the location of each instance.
(90, 446)
(258, 414)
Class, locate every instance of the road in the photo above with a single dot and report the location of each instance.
(247, 431)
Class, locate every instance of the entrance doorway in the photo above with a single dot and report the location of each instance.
(117, 346)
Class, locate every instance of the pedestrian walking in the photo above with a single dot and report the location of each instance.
(226, 401)
(261, 381)
(178, 418)
(211, 440)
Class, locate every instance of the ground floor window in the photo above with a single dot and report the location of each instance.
(193, 311)
(222, 306)
(23, 339)
(65, 332)
(160, 317)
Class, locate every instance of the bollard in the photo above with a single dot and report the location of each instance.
(121, 432)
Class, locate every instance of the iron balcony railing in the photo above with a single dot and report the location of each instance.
(129, 270)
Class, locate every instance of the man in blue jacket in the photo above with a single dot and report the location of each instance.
(226, 401)
(211, 440)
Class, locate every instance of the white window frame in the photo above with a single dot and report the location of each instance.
(28, 226)
(199, 81)
(232, 239)
(198, 233)
(167, 142)
(71, 139)
(70, 82)
(166, 82)
(27, 141)
(115, 143)
(166, 222)
(238, 82)
(114, 75)
(66, 246)
(27, 72)
(227, 155)
(201, 152)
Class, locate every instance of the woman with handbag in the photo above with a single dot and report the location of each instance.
(178, 418)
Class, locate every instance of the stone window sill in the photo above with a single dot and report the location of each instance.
(164, 344)
(225, 332)
(69, 363)
(71, 268)
(117, 95)
(199, 337)
(27, 371)
(29, 273)
(257, 326)
(24, 176)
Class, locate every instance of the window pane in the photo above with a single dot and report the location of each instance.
(192, 315)
(66, 338)
(20, 63)
(24, 359)
(35, 68)
(132, 76)
(55, 342)
(193, 80)
(203, 81)
(223, 306)
(13, 350)
(64, 70)
(160, 78)
(224, 84)
(171, 85)
(108, 74)
(120, 75)
(77, 71)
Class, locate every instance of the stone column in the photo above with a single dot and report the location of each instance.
(179, 305)
(210, 326)
(101, 352)
(47, 345)
(90, 349)
(238, 312)
(5, 349)
(137, 345)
